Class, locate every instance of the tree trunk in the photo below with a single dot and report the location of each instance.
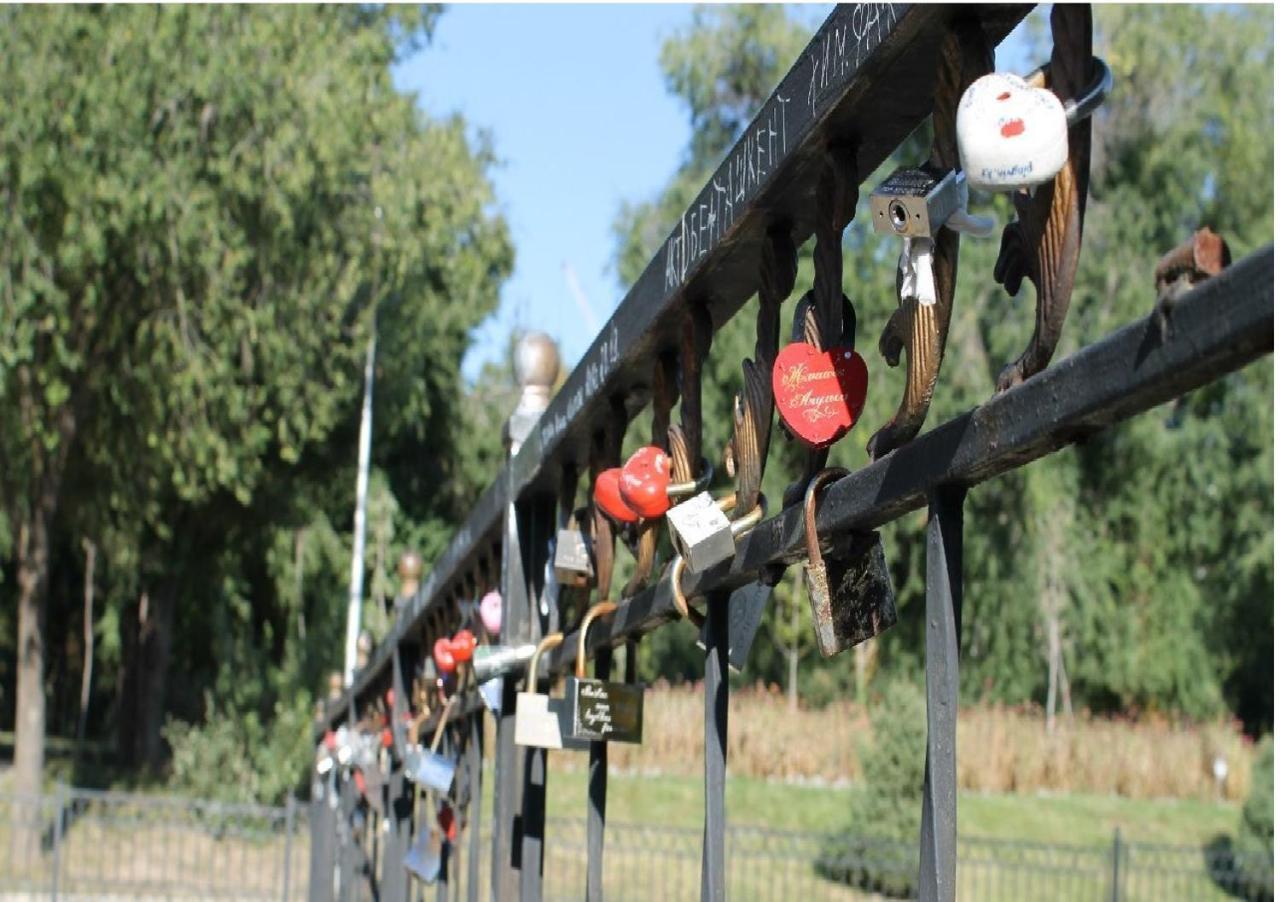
(86, 671)
(28, 752)
(148, 636)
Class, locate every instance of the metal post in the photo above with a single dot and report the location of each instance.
(60, 801)
(394, 878)
(597, 787)
(537, 366)
(1117, 851)
(348, 843)
(716, 726)
(290, 812)
(943, 596)
(323, 834)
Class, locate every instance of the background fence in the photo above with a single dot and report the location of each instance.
(119, 845)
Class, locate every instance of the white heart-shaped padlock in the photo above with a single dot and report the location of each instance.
(1011, 135)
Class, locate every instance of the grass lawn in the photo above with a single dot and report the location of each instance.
(678, 801)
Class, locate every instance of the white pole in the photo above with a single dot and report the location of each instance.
(356, 592)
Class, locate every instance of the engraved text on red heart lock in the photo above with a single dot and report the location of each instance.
(644, 481)
(819, 394)
(608, 497)
(443, 654)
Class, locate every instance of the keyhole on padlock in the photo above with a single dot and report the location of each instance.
(898, 216)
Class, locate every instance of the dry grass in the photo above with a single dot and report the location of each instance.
(1001, 749)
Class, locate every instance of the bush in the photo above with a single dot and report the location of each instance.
(235, 757)
(1257, 828)
(879, 851)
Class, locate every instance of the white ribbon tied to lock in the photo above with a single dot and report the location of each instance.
(915, 263)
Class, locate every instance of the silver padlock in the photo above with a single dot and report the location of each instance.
(915, 203)
(426, 766)
(602, 710)
(573, 564)
(541, 720)
(701, 531)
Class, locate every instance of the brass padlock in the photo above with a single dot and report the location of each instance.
(540, 720)
(602, 711)
(850, 591)
(573, 564)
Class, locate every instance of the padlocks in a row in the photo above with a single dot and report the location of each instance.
(573, 565)
(850, 591)
(541, 721)
(602, 710)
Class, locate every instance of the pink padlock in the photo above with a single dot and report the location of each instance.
(491, 612)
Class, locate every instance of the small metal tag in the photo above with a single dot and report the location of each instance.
(430, 769)
(423, 859)
(605, 711)
(746, 609)
(851, 595)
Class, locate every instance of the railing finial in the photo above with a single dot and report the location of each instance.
(537, 364)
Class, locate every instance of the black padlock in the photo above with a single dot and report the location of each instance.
(850, 591)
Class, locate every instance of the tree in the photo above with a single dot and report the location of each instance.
(191, 260)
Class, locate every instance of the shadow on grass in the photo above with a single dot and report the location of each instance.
(1244, 875)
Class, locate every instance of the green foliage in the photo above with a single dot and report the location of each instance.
(1256, 840)
(238, 756)
(886, 815)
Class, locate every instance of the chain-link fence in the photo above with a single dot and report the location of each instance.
(83, 843)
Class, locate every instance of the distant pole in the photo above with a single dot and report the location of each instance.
(356, 591)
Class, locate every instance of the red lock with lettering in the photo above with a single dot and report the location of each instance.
(819, 394)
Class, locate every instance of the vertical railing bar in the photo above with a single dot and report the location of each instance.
(943, 597)
(597, 789)
(716, 727)
(59, 802)
(475, 758)
(290, 809)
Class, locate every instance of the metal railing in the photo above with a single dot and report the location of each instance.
(131, 846)
(871, 74)
(93, 844)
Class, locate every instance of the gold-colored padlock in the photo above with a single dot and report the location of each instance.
(850, 591)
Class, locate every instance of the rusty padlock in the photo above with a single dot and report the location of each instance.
(573, 565)
(850, 591)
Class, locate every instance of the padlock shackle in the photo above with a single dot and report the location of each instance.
(1082, 107)
(697, 618)
(550, 640)
(811, 510)
(598, 609)
(441, 724)
(694, 486)
(748, 520)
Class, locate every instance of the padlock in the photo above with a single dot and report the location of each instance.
(916, 202)
(539, 719)
(701, 531)
(427, 767)
(491, 612)
(850, 591)
(602, 711)
(573, 564)
(492, 661)
(424, 856)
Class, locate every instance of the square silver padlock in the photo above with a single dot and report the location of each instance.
(573, 566)
(701, 532)
(914, 203)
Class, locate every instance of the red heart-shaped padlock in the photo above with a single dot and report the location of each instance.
(447, 823)
(386, 739)
(443, 654)
(608, 495)
(819, 394)
(464, 643)
(644, 481)
(330, 740)
(391, 698)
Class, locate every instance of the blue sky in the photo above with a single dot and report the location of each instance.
(574, 103)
